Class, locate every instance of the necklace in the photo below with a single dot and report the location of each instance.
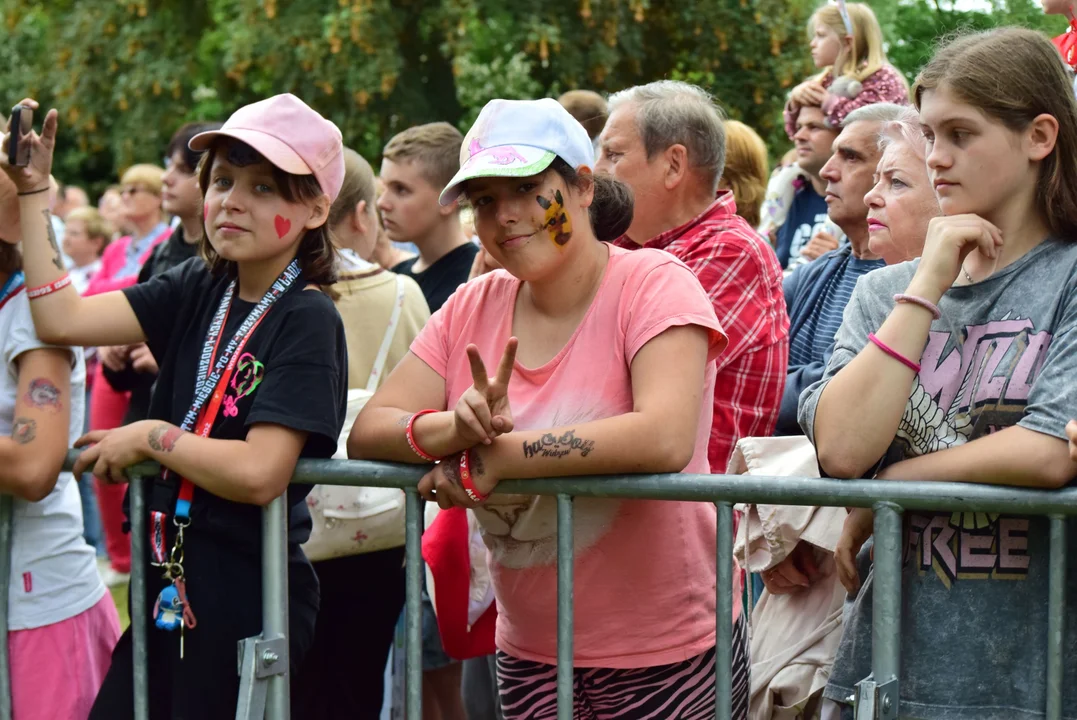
(967, 276)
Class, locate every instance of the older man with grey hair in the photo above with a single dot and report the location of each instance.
(666, 140)
(818, 292)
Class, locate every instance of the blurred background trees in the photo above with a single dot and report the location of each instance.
(124, 74)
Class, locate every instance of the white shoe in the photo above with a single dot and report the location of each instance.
(113, 578)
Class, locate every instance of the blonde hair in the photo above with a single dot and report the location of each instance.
(96, 226)
(148, 176)
(1014, 75)
(867, 56)
(358, 187)
(745, 169)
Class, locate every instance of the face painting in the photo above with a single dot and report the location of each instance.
(557, 222)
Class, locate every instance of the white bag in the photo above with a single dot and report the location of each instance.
(356, 520)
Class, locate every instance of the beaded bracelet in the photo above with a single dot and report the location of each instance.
(467, 480)
(410, 432)
(922, 302)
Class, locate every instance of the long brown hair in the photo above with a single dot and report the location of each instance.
(1015, 75)
(316, 254)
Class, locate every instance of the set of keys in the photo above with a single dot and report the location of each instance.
(173, 610)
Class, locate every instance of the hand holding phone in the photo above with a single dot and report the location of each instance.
(22, 122)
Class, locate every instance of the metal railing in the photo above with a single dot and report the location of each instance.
(264, 671)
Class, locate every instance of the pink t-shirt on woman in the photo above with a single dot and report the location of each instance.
(644, 569)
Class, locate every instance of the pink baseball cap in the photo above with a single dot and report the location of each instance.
(290, 135)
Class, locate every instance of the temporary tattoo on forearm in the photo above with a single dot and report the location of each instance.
(550, 445)
(403, 421)
(24, 430)
(452, 471)
(43, 395)
(58, 260)
(557, 222)
(478, 467)
(163, 437)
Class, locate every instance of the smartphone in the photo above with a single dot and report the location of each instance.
(22, 121)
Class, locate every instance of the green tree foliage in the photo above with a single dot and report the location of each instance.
(124, 74)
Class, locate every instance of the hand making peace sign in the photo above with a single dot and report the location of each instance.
(483, 411)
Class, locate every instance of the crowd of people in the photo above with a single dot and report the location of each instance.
(576, 287)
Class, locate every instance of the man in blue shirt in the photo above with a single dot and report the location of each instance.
(816, 294)
(808, 211)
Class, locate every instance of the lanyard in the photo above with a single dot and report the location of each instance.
(210, 387)
(12, 287)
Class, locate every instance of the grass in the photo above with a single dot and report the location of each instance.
(119, 596)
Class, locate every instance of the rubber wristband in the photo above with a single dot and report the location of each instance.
(915, 367)
(410, 432)
(49, 289)
(922, 302)
(32, 192)
(467, 480)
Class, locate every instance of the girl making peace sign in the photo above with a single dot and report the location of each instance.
(252, 377)
(606, 367)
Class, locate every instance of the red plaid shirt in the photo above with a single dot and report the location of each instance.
(741, 275)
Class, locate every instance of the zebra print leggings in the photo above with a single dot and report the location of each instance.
(682, 691)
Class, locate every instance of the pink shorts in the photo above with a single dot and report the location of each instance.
(56, 670)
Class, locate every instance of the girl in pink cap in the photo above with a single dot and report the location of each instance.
(604, 365)
(253, 374)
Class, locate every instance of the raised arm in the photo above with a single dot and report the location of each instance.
(61, 317)
(32, 456)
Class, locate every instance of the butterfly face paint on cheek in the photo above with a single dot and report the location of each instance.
(557, 222)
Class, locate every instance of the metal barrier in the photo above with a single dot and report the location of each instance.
(264, 670)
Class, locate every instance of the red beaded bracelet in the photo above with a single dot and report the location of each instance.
(466, 479)
(411, 437)
(49, 288)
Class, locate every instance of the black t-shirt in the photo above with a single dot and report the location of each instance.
(292, 372)
(441, 279)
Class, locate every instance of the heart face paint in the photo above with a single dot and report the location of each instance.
(205, 212)
(557, 222)
(282, 225)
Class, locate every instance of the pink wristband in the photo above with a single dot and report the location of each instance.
(915, 367)
(49, 289)
(467, 481)
(410, 432)
(917, 300)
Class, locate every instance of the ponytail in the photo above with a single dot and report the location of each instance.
(612, 207)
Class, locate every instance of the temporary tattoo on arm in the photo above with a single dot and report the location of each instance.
(478, 467)
(58, 260)
(552, 446)
(43, 395)
(24, 430)
(451, 468)
(557, 222)
(163, 437)
(403, 421)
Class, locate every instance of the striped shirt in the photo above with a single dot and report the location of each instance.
(815, 336)
(740, 273)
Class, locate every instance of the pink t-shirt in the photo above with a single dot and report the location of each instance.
(644, 569)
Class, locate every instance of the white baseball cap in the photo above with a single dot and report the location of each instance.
(519, 138)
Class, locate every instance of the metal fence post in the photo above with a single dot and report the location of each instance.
(275, 606)
(413, 608)
(565, 604)
(136, 492)
(723, 650)
(886, 611)
(7, 528)
(1056, 619)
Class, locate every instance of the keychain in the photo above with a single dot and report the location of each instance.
(172, 609)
